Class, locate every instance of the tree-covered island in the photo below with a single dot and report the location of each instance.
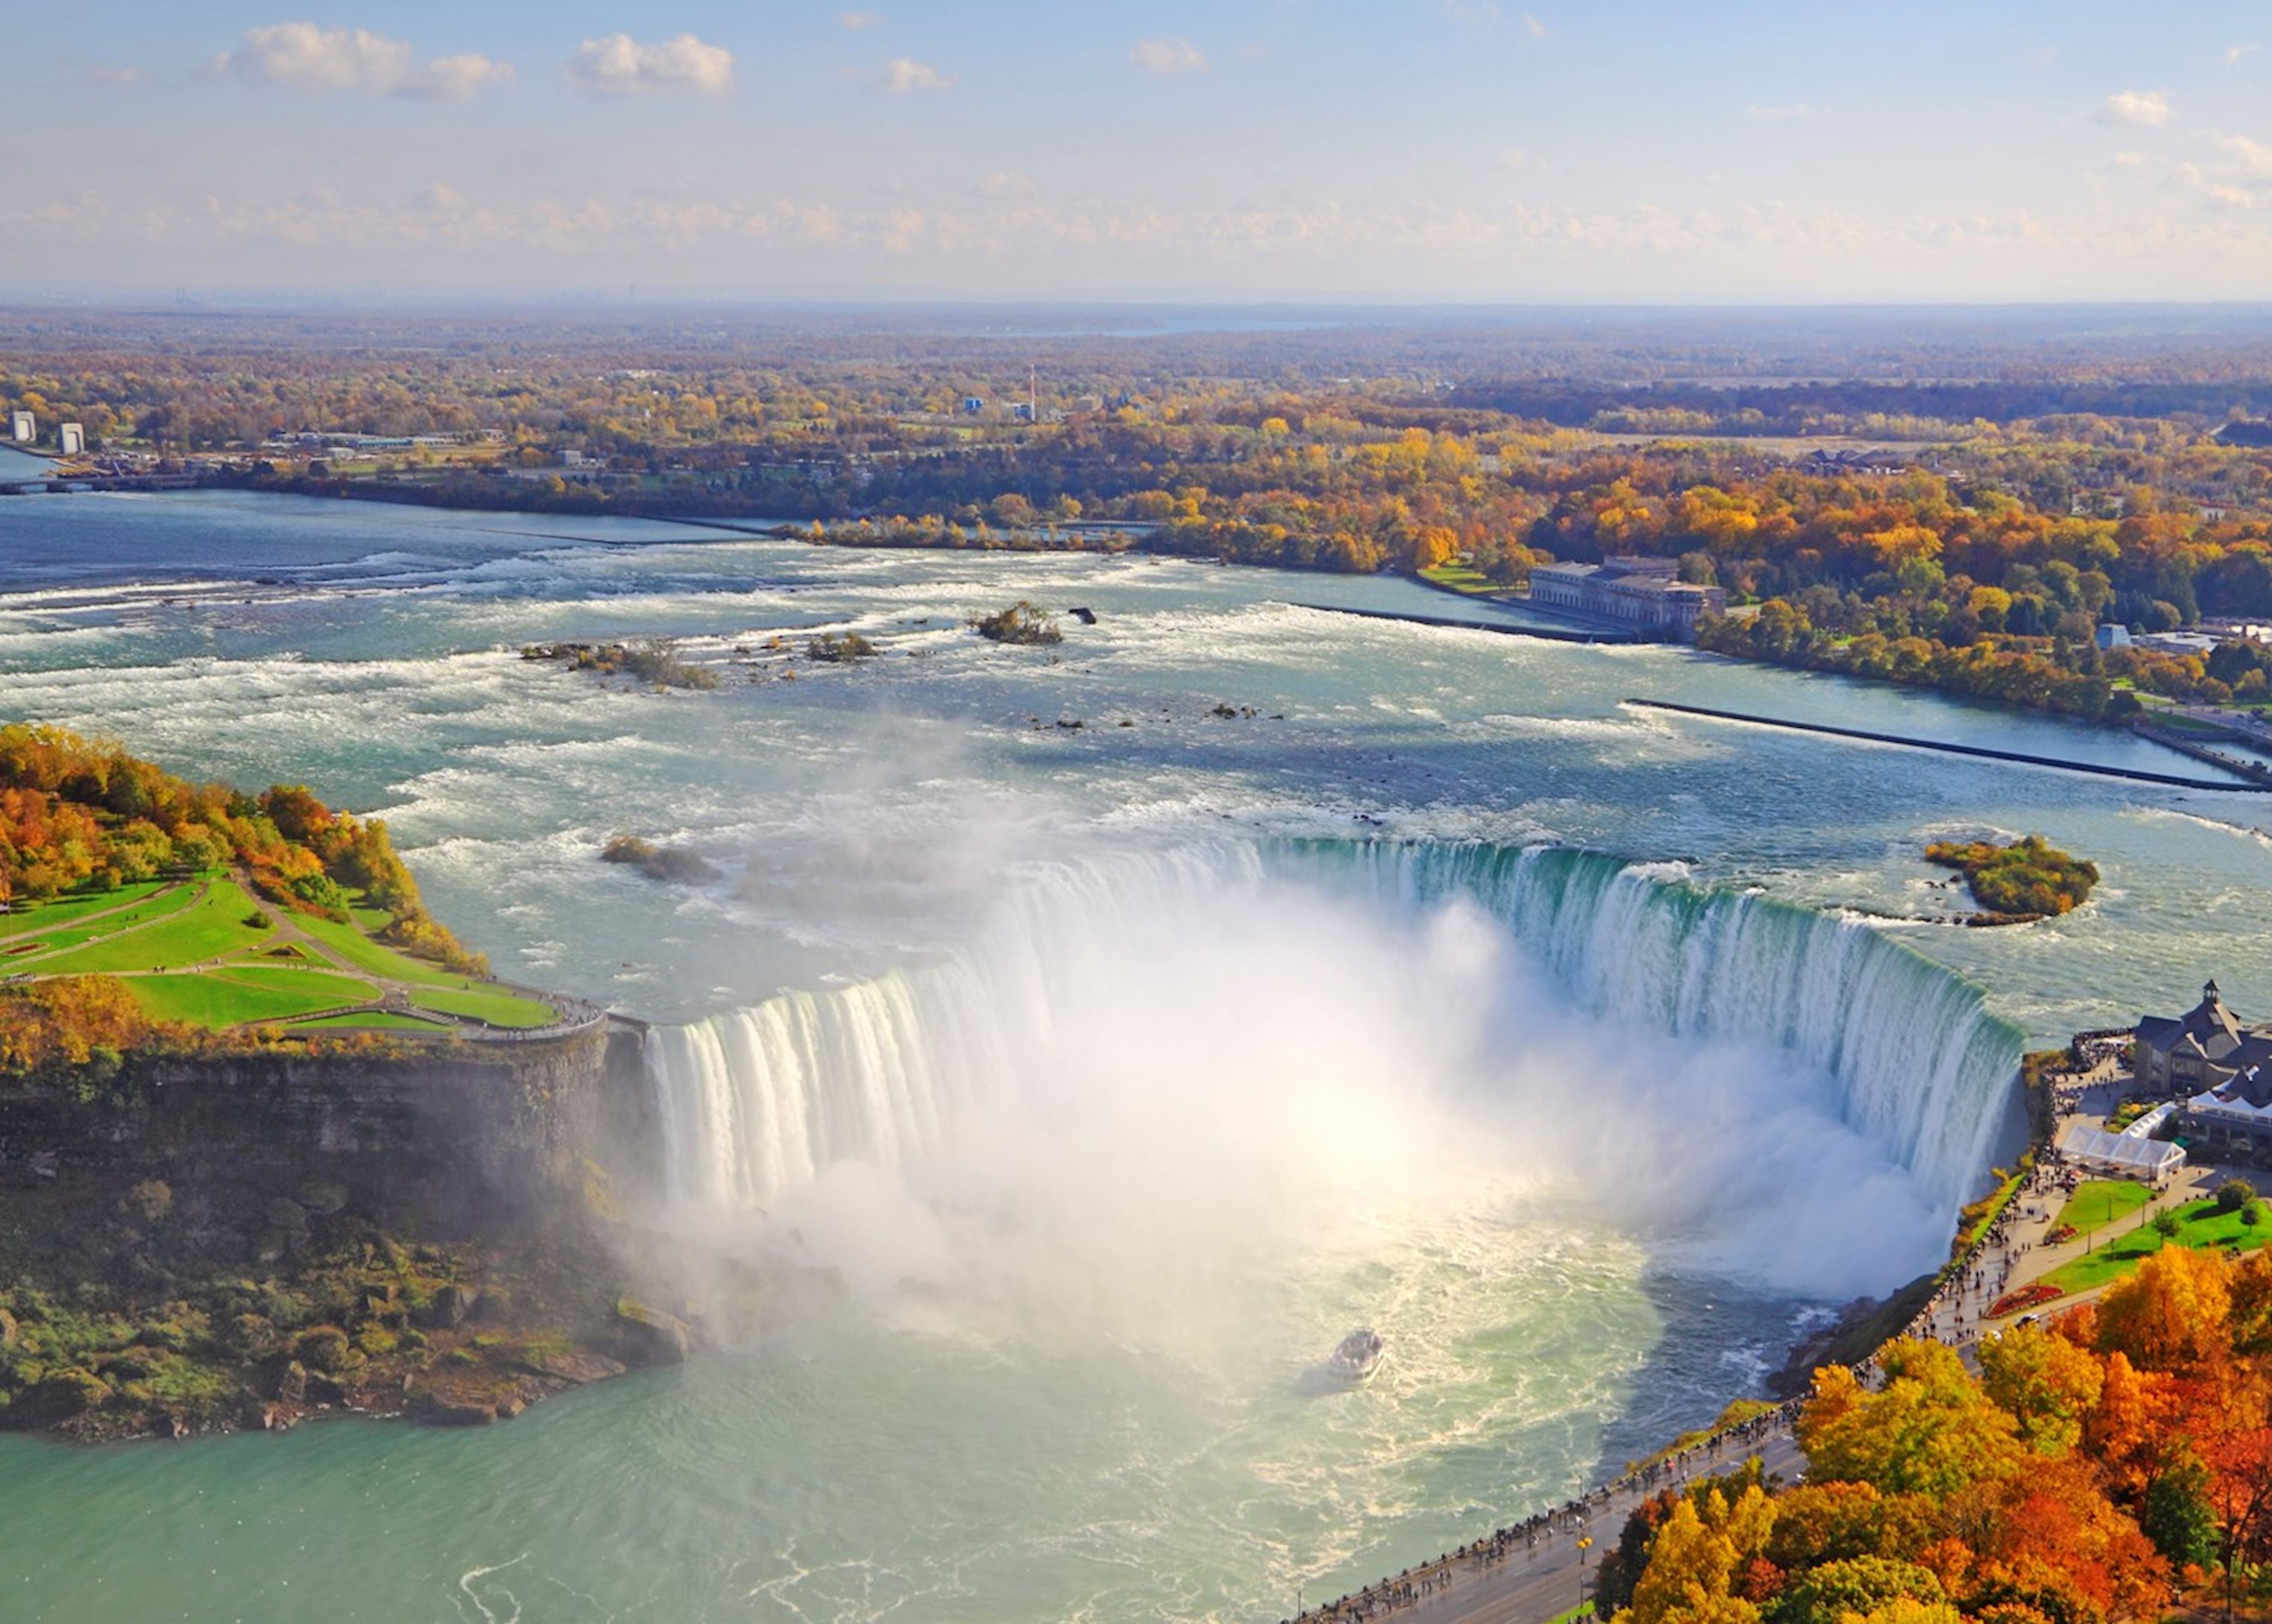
(2027, 879)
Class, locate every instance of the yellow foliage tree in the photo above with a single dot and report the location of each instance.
(1930, 1430)
(2175, 1314)
(2046, 1383)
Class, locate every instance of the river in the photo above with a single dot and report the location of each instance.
(1331, 971)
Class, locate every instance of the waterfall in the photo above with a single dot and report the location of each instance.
(755, 1101)
(1920, 1064)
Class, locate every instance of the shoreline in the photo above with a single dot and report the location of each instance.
(772, 527)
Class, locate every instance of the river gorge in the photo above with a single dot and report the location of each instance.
(1330, 970)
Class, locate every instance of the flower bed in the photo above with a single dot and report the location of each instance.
(2027, 1297)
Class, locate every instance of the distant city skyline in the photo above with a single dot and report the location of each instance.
(1248, 150)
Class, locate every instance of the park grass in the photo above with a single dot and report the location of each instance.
(212, 928)
(499, 1009)
(349, 943)
(39, 917)
(205, 999)
(371, 1020)
(84, 927)
(2202, 1227)
(329, 985)
(2100, 1201)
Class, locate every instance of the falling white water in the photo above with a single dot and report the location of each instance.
(1339, 1024)
(1920, 1066)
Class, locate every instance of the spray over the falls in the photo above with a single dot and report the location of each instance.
(1242, 1041)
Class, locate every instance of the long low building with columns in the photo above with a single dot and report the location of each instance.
(1638, 592)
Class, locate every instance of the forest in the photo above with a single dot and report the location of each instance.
(2093, 1468)
(1931, 500)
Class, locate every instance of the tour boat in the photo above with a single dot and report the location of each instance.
(1356, 1356)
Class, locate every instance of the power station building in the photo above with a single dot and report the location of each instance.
(23, 427)
(71, 440)
(1636, 592)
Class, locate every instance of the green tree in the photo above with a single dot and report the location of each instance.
(2177, 1515)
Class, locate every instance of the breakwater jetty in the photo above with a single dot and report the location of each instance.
(2136, 775)
(1551, 634)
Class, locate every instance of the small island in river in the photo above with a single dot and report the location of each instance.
(2029, 879)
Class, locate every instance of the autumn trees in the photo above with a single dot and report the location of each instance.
(2092, 1466)
(76, 813)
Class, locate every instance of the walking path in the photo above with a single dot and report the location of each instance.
(1536, 1570)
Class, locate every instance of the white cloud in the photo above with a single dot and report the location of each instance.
(454, 78)
(1002, 183)
(2144, 108)
(1533, 26)
(1797, 110)
(857, 20)
(905, 73)
(1511, 158)
(619, 65)
(2234, 53)
(117, 76)
(1166, 55)
(2129, 160)
(2250, 158)
(303, 56)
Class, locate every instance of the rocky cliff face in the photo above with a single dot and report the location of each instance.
(201, 1242)
(466, 1140)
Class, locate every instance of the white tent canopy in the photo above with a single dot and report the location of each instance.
(2142, 1158)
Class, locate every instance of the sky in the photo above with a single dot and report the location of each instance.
(1267, 151)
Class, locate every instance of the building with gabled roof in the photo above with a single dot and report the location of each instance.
(2218, 1066)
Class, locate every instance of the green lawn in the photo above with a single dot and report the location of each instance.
(208, 999)
(329, 985)
(212, 928)
(2100, 1202)
(380, 1020)
(85, 925)
(262, 978)
(497, 1007)
(350, 944)
(27, 917)
(2202, 1227)
(1460, 578)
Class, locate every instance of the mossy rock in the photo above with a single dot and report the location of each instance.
(649, 1336)
(442, 1410)
(61, 1396)
(325, 1348)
